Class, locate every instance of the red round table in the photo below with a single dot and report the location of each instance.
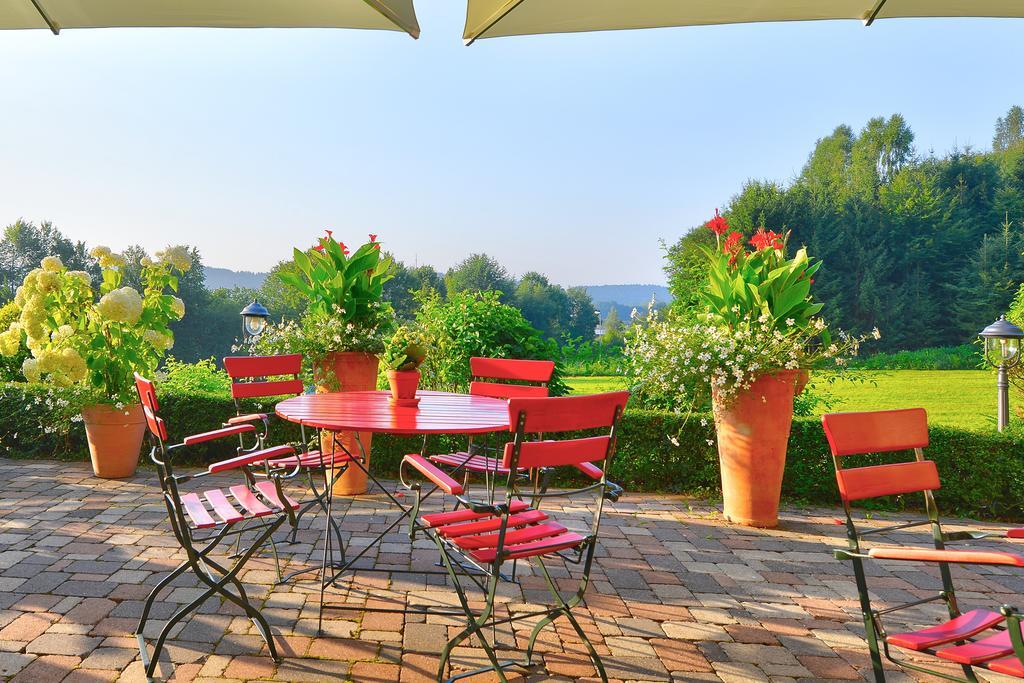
(358, 412)
(371, 411)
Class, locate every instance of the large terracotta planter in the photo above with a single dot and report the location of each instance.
(115, 439)
(348, 371)
(753, 434)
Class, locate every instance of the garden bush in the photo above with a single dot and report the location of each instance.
(590, 358)
(982, 474)
(466, 325)
(963, 357)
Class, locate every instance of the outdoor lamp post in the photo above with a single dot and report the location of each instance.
(254, 319)
(1002, 351)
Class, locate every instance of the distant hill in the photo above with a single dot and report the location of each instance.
(626, 297)
(217, 278)
(606, 297)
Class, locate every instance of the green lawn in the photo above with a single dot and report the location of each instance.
(957, 398)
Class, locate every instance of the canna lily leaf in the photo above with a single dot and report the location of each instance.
(790, 298)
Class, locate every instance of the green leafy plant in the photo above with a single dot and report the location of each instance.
(345, 311)
(476, 324)
(339, 283)
(203, 376)
(761, 283)
(405, 352)
(98, 337)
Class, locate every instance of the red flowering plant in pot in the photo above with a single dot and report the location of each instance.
(345, 325)
(747, 353)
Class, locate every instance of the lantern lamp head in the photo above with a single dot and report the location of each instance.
(1002, 342)
(254, 319)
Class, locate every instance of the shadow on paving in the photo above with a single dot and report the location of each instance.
(676, 594)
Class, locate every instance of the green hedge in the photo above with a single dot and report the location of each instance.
(983, 474)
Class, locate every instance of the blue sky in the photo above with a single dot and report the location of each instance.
(568, 154)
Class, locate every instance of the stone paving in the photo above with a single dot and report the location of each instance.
(678, 595)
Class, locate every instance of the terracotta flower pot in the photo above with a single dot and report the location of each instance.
(115, 439)
(403, 384)
(753, 435)
(348, 371)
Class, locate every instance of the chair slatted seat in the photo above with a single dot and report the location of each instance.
(487, 535)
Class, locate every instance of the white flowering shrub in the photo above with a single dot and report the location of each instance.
(756, 316)
(95, 337)
(317, 334)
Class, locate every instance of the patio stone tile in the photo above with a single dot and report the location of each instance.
(677, 594)
(47, 669)
(13, 662)
(27, 627)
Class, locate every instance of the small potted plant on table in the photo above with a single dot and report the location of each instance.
(402, 359)
(88, 342)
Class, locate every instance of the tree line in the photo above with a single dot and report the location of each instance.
(928, 248)
(212, 324)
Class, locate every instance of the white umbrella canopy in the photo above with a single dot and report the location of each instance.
(495, 18)
(388, 15)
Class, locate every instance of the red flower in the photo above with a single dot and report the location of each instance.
(718, 224)
(763, 239)
(344, 249)
(732, 242)
(320, 247)
(732, 246)
(373, 238)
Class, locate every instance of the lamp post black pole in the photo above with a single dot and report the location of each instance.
(1003, 385)
(1002, 350)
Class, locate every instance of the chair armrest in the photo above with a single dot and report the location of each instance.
(250, 458)
(589, 469)
(251, 417)
(434, 474)
(954, 536)
(954, 556)
(218, 434)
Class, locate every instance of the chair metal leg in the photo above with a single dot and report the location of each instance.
(475, 626)
(215, 587)
(565, 608)
(173, 574)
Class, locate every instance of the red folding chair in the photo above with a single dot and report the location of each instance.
(977, 638)
(517, 379)
(254, 377)
(486, 535)
(200, 522)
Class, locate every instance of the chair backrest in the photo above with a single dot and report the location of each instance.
(250, 375)
(563, 414)
(150, 406)
(537, 372)
(879, 432)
